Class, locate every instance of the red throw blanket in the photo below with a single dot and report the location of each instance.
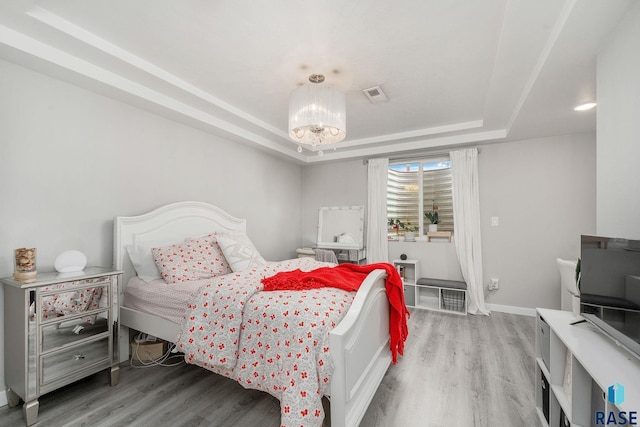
(349, 277)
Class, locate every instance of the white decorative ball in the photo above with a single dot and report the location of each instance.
(70, 261)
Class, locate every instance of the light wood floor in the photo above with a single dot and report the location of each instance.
(457, 371)
(462, 371)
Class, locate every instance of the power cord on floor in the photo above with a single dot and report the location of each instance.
(164, 360)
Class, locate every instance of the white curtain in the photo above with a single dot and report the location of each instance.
(466, 217)
(377, 245)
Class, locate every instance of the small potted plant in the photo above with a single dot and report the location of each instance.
(433, 218)
(397, 225)
(410, 232)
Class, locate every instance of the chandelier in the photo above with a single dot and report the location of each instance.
(316, 114)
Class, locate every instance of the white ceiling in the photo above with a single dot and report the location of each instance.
(457, 72)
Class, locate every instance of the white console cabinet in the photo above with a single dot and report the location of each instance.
(575, 366)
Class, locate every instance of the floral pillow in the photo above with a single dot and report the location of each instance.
(239, 251)
(194, 259)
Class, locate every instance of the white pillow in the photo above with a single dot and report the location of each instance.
(239, 251)
(142, 258)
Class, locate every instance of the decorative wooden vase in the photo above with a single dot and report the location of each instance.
(25, 267)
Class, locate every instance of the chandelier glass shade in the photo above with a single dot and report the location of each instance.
(317, 115)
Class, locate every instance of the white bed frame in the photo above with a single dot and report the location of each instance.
(359, 344)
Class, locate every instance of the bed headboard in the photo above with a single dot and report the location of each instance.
(176, 220)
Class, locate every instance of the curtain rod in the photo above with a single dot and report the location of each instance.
(417, 156)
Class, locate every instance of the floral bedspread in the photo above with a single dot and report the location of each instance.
(276, 341)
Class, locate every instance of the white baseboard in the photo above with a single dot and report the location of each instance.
(3, 398)
(512, 309)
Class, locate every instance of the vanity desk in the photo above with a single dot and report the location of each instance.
(341, 230)
(59, 329)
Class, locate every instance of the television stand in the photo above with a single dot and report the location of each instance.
(575, 366)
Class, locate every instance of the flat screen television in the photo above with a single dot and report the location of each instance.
(610, 288)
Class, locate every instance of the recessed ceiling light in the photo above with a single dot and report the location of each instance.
(584, 107)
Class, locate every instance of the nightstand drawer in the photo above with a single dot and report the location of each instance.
(66, 363)
(71, 285)
(73, 298)
(57, 335)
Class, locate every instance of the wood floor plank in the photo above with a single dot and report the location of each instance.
(456, 371)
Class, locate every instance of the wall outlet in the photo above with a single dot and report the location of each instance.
(494, 284)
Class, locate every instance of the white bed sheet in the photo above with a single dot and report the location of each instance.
(157, 297)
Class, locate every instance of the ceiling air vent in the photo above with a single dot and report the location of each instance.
(375, 94)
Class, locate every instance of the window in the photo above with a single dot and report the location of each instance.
(414, 189)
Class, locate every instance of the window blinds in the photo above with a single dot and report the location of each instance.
(414, 188)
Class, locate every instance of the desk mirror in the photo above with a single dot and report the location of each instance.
(341, 227)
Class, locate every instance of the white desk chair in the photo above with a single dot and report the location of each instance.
(569, 292)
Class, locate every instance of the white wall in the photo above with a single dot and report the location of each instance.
(438, 259)
(330, 184)
(618, 199)
(542, 190)
(71, 160)
(543, 193)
